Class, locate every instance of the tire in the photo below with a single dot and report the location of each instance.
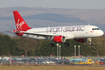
(66, 44)
(51, 44)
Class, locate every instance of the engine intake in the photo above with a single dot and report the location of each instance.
(59, 39)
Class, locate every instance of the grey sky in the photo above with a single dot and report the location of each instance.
(70, 4)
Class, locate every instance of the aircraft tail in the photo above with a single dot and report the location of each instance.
(19, 22)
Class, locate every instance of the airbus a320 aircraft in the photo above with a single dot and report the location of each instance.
(81, 33)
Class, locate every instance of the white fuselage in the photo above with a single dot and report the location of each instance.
(70, 32)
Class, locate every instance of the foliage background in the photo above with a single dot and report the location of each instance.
(17, 46)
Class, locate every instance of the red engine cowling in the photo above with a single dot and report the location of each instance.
(59, 39)
(81, 40)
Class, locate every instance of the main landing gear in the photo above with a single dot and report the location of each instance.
(66, 44)
(52, 44)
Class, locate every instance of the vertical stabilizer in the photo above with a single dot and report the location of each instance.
(19, 22)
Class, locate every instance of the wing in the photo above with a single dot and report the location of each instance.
(67, 36)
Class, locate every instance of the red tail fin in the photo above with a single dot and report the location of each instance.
(19, 21)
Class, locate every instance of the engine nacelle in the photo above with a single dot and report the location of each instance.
(81, 40)
(59, 39)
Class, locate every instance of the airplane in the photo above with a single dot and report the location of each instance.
(60, 34)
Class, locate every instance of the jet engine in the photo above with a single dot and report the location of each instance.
(59, 39)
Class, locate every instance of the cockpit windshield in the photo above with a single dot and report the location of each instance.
(95, 29)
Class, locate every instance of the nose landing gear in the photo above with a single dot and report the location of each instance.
(90, 43)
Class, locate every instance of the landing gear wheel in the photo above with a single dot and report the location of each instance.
(90, 43)
(66, 44)
(51, 44)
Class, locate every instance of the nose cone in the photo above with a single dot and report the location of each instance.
(101, 33)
